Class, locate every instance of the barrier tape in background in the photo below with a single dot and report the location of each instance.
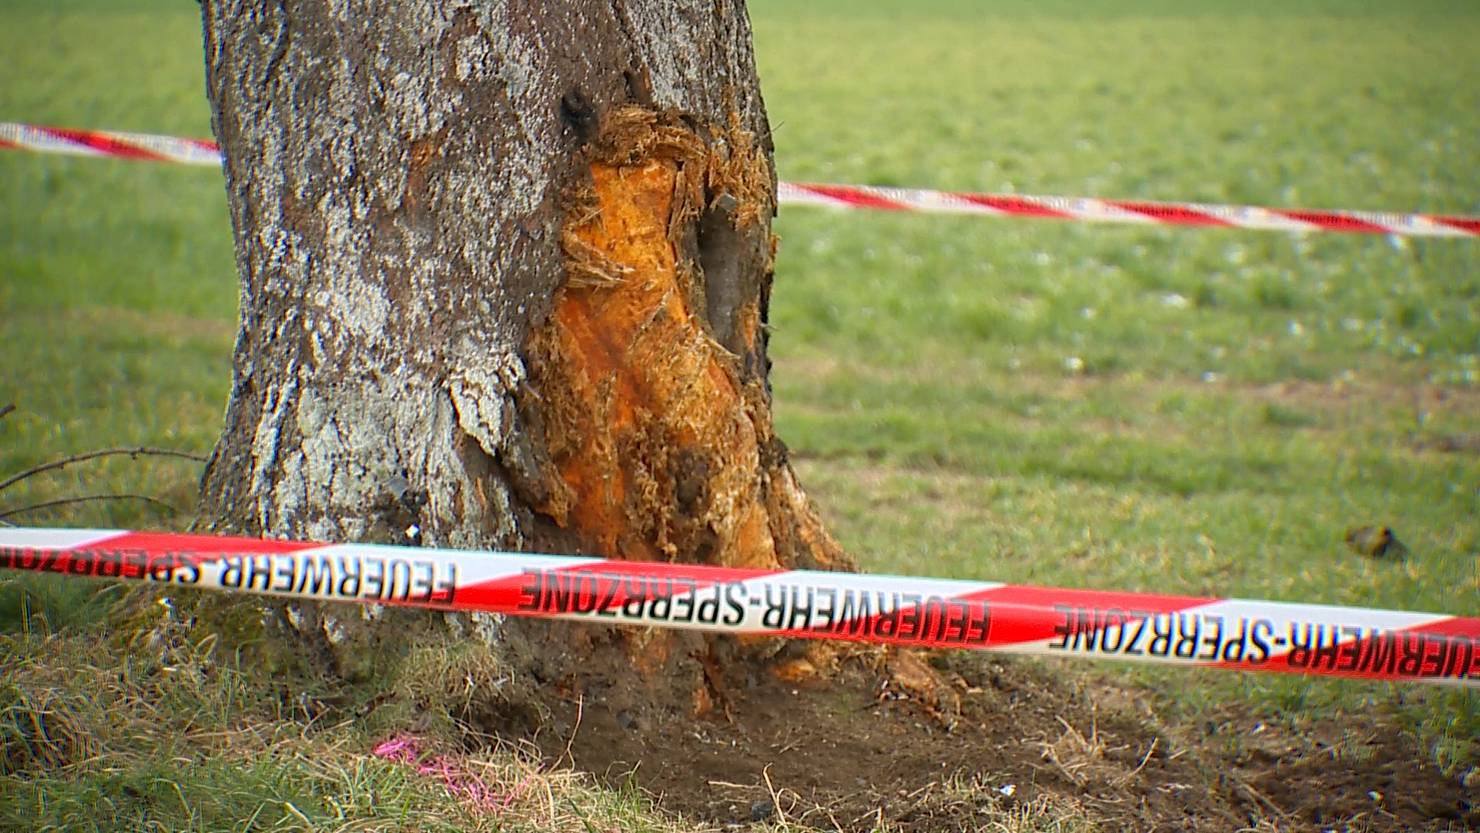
(1084, 209)
(940, 613)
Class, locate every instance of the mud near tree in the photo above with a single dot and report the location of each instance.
(840, 754)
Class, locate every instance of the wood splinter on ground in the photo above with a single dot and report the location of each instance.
(649, 377)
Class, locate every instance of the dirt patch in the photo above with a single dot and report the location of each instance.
(842, 755)
(1359, 774)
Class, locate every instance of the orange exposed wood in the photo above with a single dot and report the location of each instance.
(661, 443)
(652, 433)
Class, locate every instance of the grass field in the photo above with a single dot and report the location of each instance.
(1198, 411)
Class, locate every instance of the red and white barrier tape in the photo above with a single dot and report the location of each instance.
(1083, 209)
(1222, 633)
(102, 143)
(1089, 209)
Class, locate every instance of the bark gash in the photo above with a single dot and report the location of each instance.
(505, 269)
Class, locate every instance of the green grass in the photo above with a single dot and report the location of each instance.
(1197, 411)
(1160, 409)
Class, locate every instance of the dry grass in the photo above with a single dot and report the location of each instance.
(41, 729)
(174, 736)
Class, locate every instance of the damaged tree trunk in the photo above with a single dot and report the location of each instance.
(505, 269)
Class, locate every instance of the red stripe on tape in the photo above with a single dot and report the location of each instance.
(209, 546)
(1178, 215)
(1013, 205)
(1469, 225)
(502, 593)
(1332, 221)
(103, 143)
(853, 196)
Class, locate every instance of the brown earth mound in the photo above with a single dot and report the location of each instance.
(838, 754)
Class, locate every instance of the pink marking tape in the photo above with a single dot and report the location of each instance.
(1240, 634)
(1082, 209)
(405, 749)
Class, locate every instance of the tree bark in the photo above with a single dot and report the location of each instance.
(505, 269)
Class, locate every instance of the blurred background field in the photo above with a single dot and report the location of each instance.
(1198, 411)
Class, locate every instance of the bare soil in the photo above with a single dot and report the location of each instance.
(835, 754)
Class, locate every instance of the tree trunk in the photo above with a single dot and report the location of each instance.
(505, 270)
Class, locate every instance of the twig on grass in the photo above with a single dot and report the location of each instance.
(1130, 776)
(47, 504)
(733, 786)
(1259, 797)
(580, 709)
(6, 409)
(78, 458)
(775, 798)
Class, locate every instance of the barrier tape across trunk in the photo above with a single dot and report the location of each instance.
(1237, 634)
(1082, 209)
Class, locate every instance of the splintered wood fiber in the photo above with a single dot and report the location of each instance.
(646, 417)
